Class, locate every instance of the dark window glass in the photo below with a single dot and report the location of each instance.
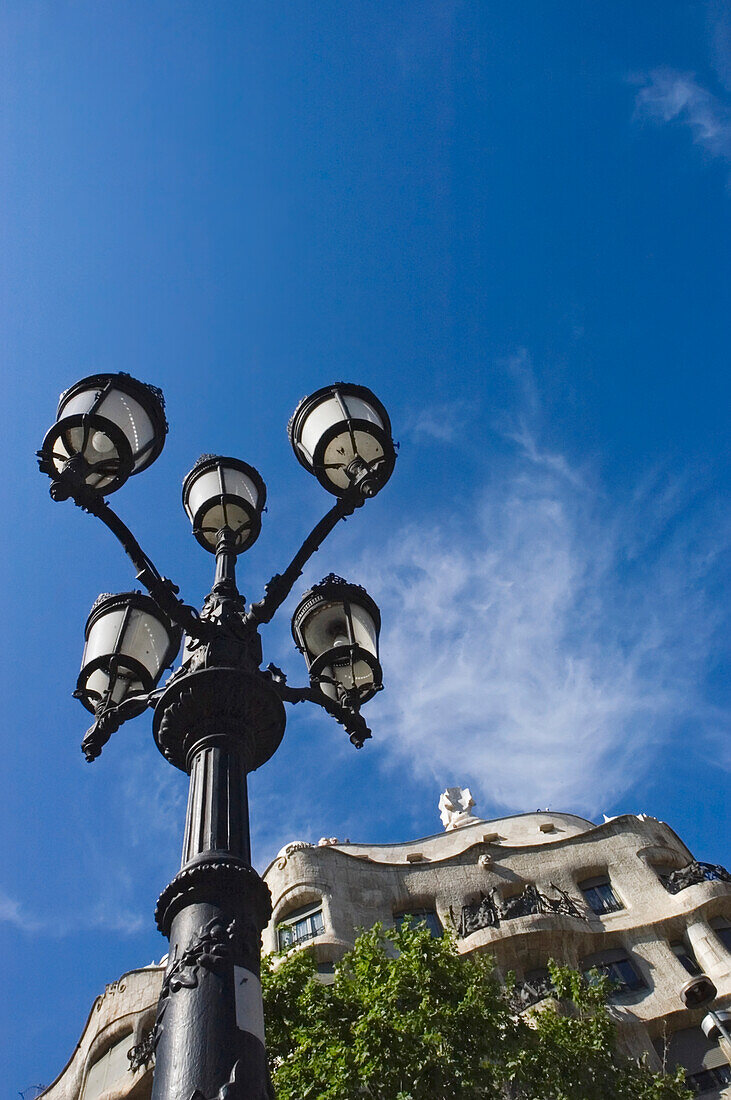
(709, 1080)
(621, 973)
(421, 916)
(684, 954)
(722, 928)
(600, 897)
(299, 927)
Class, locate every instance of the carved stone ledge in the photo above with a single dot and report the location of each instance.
(289, 849)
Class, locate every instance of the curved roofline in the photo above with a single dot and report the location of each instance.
(464, 828)
(435, 836)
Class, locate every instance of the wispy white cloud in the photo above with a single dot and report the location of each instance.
(13, 912)
(544, 650)
(667, 95)
(445, 423)
(108, 913)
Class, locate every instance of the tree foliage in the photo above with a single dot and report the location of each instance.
(409, 1018)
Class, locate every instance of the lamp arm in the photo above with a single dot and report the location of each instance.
(351, 720)
(280, 586)
(162, 590)
(108, 722)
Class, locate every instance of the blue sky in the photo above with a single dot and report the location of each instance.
(511, 222)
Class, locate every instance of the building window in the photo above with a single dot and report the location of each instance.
(536, 985)
(300, 926)
(620, 970)
(684, 954)
(701, 1058)
(110, 1071)
(600, 896)
(420, 916)
(709, 1080)
(722, 928)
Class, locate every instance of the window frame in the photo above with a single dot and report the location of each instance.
(307, 917)
(610, 968)
(98, 1061)
(721, 927)
(718, 1078)
(422, 915)
(607, 906)
(683, 951)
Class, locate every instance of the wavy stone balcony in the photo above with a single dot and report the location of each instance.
(693, 874)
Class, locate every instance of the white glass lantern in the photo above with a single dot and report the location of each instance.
(108, 427)
(336, 626)
(224, 493)
(342, 435)
(129, 642)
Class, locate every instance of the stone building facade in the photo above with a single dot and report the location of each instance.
(626, 897)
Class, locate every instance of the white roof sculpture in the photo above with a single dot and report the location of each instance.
(454, 808)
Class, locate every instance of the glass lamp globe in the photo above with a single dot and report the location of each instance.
(342, 435)
(129, 642)
(336, 627)
(108, 427)
(224, 493)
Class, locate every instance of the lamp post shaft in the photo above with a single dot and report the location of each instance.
(210, 1024)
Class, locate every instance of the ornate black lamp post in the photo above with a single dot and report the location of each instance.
(219, 716)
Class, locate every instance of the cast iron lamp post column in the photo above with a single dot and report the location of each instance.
(219, 716)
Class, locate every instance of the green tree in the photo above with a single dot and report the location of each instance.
(409, 1018)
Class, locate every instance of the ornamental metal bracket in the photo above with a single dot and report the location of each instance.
(347, 716)
(70, 486)
(108, 721)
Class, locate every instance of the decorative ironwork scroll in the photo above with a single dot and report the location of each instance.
(692, 874)
(529, 993)
(489, 911)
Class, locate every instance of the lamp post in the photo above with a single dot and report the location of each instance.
(219, 715)
(701, 992)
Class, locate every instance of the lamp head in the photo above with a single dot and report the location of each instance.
(108, 427)
(336, 627)
(342, 435)
(129, 643)
(224, 493)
